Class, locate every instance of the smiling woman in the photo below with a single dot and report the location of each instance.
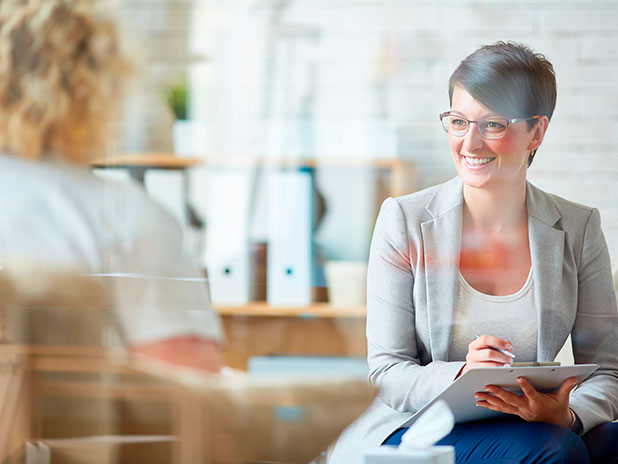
(513, 81)
(489, 253)
(495, 152)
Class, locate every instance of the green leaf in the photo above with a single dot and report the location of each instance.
(177, 97)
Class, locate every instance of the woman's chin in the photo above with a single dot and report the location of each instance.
(474, 179)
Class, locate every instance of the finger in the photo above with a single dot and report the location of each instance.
(486, 355)
(494, 403)
(527, 388)
(567, 386)
(473, 364)
(485, 404)
(506, 396)
(489, 364)
(485, 341)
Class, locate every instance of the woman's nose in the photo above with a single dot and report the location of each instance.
(473, 140)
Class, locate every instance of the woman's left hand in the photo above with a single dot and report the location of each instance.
(532, 406)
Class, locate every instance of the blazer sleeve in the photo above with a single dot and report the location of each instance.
(595, 332)
(393, 355)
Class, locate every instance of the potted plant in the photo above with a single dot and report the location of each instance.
(177, 97)
(189, 136)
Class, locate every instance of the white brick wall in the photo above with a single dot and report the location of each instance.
(158, 35)
(579, 159)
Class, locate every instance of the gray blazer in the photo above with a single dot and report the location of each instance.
(412, 288)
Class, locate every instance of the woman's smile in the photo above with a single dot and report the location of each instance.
(477, 162)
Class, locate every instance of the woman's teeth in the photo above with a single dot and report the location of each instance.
(478, 161)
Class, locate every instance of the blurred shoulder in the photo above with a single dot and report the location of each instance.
(75, 191)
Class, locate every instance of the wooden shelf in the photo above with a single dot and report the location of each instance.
(333, 161)
(163, 159)
(147, 160)
(402, 172)
(316, 310)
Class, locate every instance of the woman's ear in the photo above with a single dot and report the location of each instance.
(538, 133)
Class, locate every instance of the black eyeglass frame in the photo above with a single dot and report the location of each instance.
(469, 121)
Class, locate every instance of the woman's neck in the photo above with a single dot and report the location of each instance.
(495, 210)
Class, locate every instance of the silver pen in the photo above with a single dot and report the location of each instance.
(504, 352)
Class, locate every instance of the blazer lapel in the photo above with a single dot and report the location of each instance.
(441, 247)
(547, 255)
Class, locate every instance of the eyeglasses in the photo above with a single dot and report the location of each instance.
(492, 128)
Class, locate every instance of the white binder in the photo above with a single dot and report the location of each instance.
(290, 251)
(228, 251)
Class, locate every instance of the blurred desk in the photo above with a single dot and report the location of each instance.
(258, 329)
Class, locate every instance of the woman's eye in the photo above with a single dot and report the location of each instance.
(494, 125)
(458, 122)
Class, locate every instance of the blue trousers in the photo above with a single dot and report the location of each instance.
(515, 441)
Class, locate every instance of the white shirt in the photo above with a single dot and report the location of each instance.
(510, 317)
(63, 216)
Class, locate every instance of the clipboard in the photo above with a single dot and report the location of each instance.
(460, 394)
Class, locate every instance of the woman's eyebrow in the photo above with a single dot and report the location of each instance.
(485, 116)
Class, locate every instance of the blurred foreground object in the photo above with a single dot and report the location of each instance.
(76, 400)
(273, 419)
(61, 86)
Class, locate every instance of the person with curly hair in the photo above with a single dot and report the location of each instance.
(62, 75)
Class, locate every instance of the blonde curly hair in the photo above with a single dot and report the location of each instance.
(61, 78)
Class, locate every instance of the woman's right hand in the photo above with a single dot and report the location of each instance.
(481, 353)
